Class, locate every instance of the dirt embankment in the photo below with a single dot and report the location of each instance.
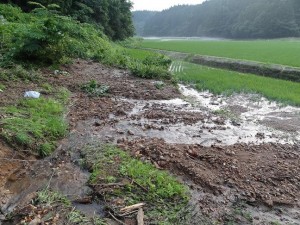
(155, 125)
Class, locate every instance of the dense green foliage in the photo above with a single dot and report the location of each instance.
(283, 52)
(44, 37)
(113, 17)
(224, 18)
(222, 81)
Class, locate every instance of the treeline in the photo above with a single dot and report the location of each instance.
(224, 18)
(113, 17)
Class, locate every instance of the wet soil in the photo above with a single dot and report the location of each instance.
(239, 151)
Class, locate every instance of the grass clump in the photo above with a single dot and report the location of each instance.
(94, 89)
(49, 197)
(18, 72)
(221, 81)
(34, 124)
(139, 182)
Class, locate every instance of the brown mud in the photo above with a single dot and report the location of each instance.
(239, 155)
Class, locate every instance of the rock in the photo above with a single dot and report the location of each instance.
(129, 132)
(235, 123)
(35, 221)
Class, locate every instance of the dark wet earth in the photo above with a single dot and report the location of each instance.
(233, 152)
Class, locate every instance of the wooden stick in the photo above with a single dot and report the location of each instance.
(119, 221)
(132, 207)
(140, 217)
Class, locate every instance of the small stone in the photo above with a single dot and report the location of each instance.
(130, 132)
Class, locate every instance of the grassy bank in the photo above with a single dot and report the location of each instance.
(35, 124)
(283, 52)
(134, 182)
(222, 81)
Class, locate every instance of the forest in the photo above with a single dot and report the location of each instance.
(239, 19)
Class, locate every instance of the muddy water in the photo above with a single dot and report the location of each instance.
(225, 120)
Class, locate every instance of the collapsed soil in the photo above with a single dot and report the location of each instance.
(219, 176)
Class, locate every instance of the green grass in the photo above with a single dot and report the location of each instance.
(140, 182)
(221, 81)
(34, 124)
(139, 53)
(284, 52)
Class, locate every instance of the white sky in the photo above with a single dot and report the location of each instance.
(159, 5)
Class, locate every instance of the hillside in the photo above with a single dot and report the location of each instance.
(224, 18)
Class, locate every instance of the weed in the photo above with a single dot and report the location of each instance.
(23, 139)
(2, 87)
(18, 72)
(63, 95)
(47, 87)
(94, 89)
(50, 197)
(275, 223)
(159, 84)
(75, 217)
(34, 123)
(45, 149)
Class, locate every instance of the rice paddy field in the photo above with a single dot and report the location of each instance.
(222, 81)
(280, 51)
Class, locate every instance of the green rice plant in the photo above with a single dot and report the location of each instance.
(280, 51)
(221, 81)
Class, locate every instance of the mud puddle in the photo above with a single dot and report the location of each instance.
(205, 119)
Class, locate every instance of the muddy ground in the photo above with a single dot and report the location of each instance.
(239, 155)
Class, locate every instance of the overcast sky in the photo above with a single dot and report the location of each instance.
(159, 5)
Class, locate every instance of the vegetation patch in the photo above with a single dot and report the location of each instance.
(34, 124)
(45, 37)
(51, 207)
(18, 72)
(94, 89)
(123, 181)
(221, 81)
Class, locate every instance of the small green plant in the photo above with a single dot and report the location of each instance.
(2, 87)
(18, 72)
(159, 84)
(47, 87)
(275, 223)
(94, 89)
(63, 95)
(23, 139)
(46, 149)
(49, 197)
(76, 217)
